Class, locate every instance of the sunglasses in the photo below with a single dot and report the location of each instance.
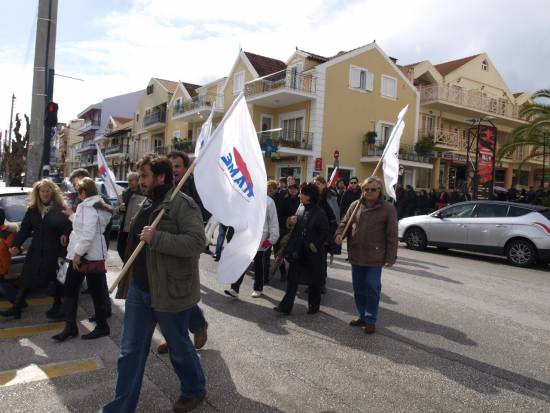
(371, 189)
(353, 183)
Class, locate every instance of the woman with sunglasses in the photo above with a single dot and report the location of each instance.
(372, 244)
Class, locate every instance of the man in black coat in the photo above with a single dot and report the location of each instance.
(129, 205)
(352, 193)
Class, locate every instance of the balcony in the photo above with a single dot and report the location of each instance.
(281, 89)
(87, 146)
(154, 119)
(190, 109)
(89, 161)
(113, 150)
(88, 126)
(288, 142)
(372, 153)
(471, 103)
(160, 150)
(445, 139)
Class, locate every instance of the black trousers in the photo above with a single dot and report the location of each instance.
(96, 284)
(313, 297)
(121, 243)
(260, 270)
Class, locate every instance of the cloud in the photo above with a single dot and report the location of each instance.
(198, 42)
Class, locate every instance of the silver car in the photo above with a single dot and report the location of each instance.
(518, 231)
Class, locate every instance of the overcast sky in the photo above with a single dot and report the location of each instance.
(116, 46)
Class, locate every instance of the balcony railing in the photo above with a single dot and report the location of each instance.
(202, 102)
(406, 153)
(87, 146)
(472, 99)
(160, 150)
(446, 137)
(288, 138)
(86, 127)
(154, 117)
(113, 149)
(286, 79)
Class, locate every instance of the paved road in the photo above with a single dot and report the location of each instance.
(457, 333)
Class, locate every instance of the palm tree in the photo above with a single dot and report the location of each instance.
(535, 133)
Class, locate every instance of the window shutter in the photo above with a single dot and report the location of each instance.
(370, 81)
(354, 77)
(238, 82)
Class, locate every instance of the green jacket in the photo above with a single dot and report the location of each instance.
(173, 255)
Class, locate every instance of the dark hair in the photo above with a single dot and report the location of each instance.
(295, 186)
(159, 165)
(88, 186)
(79, 173)
(312, 191)
(354, 177)
(182, 155)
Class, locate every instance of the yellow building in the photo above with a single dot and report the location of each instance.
(74, 142)
(310, 107)
(118, 134)
(149, 123)
(452, 95)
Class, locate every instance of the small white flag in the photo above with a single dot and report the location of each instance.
(113, 190)
(232, 184)
(390, 156)
(206, 131)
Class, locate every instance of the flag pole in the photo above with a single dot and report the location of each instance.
(153, 225)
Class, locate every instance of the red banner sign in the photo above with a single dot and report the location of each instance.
(486, 147)
(318, 164)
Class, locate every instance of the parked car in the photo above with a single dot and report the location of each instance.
(518, 231)
(14, 201)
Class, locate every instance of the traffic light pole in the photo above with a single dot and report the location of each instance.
(38, 150)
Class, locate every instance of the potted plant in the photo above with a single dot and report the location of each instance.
(424, 146)
(370, 137)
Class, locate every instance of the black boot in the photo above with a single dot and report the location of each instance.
(15, 310)
(99, 331)
(70, 331)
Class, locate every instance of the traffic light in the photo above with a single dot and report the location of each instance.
(50, 120)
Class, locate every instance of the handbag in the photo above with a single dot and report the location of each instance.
(96, 266)
(295, 248)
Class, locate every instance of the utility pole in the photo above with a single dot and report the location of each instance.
(11, 119)
(42, 89)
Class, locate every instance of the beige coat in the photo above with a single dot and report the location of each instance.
(372, 239)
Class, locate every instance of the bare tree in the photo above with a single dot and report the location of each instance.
(14, 161)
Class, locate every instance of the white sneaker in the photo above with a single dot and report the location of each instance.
(231, 292)
(256, 294)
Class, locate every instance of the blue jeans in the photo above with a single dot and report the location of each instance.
(140, 320)
(222, 229)
(366, 290)
(197, 322)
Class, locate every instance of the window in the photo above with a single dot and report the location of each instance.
(485, 66)
(238, 83)
(360, 78)
(292, 129)
(515, 211)
(429, 122)
(158, 146)
(458, 211)
(150, 89)
(384, 131)
(177, 104)
(190, 134)
(490, 210)
(389, 87)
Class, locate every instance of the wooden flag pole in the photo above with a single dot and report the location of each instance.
(153, 225)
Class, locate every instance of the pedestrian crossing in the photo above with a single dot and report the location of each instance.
(52, 361)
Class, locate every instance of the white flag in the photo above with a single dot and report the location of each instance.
(113, 190)
(232, 183)
(206, 130)
(390, 157)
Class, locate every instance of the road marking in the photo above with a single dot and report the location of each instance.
(34, 372)
(26, 331)
(4, 305)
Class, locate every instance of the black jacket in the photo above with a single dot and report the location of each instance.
(313, 225)
(347, 198)
(41, 261)
(190, 189)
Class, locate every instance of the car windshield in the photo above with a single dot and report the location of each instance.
(14, 206)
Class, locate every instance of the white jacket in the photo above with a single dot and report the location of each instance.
(271, 224)
(89, 224)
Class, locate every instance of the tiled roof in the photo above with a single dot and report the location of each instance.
(265, 65)
(447, 67)
(191, 88)
(315, 57)
(170, 85)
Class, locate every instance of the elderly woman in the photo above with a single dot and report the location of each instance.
(306, 251)
(87, 252)
(372, 244)
(45, 222)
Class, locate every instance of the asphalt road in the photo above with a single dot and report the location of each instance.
(457, 332)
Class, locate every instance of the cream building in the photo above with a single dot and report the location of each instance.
(74, 141)
(451, 95)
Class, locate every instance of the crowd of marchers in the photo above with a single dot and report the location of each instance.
(69, 240)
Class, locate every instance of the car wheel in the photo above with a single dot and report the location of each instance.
(415, 238)
(521, 253)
